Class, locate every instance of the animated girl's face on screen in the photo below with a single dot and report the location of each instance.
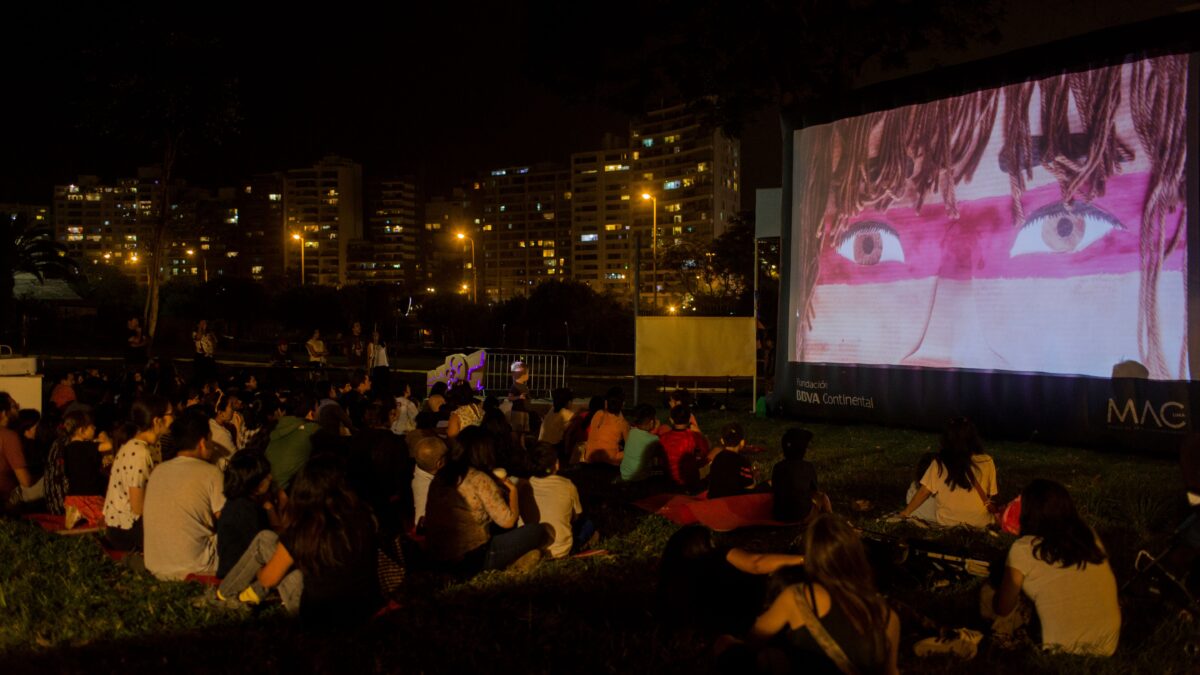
(1007, 274)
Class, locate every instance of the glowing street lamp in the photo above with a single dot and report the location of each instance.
(300, 238)
(653, 242)
(474, 267)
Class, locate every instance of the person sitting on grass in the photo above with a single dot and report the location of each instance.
(714, 587)
(150, 417)
(430, 455)
(1061, 566)
(680, 397)
(14, 469)
(248, 508)
(575, 435)
(323, 561)
(553, 500)
(555, 424)
(961, 479)
(642, 446)
(731, 473)
(75, 466)
(687, 452)
(436, 399)
(926, 512)
(607, 431)
(467, 411)
(465, 499)
(290, 441)
(794, 481)
(184, 498)
(840, 596)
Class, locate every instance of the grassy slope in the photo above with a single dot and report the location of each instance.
(65, 607)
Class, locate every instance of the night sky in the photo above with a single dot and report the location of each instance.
(437, 93)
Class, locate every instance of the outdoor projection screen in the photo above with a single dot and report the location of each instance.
(1036, 229)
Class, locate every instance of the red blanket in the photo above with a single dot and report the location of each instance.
(720, 515)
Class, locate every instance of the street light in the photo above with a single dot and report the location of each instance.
(474, 267)
(203, 262)
(653, 242)
(300, 238)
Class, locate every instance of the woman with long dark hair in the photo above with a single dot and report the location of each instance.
(961, 479)
(1060, 565)
(323, 562)
(840, 596)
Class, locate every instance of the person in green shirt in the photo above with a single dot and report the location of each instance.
(641, 446)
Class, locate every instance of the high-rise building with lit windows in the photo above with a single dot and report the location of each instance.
(323, 211)
(445, 260)
(524, 234)
(693, 171)
(603, 198)
(36, 215)
(108, 223)
(388, 254)
(260, 233)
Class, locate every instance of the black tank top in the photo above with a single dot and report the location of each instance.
(868, 653)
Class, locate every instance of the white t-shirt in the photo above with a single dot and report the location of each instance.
(377, 356)
(406, 417)
(222, 437)
(555, 502)
(130, 469)
(180, 524)
(1077, 607)
(959, 506)
(554, 425)
(420, 489)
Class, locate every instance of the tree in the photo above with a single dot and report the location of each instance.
(715, 276)
(165, 92)
(29, 248)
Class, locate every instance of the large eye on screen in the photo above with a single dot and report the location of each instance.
(870, 243)
(1054, 229)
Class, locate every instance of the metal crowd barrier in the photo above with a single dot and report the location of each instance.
(547, 372)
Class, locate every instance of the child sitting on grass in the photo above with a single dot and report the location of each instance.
(553, 500)
(641, 446)
(686, 450)
(794, 480)
(248, 508)
(731, 473)
(677, 398)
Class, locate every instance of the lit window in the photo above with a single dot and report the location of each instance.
(249, 189)
(497, 172)
(487, 228)
(612, 227)
(635, 154)
(589, 237)
(671, 185)
(274, 197)
(702, 167)
(548, 253)
(231, 254)
(647, 142)
(616, 167)
(503, 208)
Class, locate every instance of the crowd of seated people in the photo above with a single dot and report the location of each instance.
(291, 492)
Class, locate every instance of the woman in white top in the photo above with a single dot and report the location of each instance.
(1061, 566)
(316, 349)
(961, 479)
(151, 416)
(406, 412)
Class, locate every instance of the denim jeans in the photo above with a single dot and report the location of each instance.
(505, 548)
(245, 573)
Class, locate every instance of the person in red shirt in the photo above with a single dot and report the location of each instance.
(687, 451)
(14, 471)
(64, 391)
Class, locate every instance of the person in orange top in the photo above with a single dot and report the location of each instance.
(608, 430)
(64, 391)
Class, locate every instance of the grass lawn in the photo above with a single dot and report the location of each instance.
(64, 607)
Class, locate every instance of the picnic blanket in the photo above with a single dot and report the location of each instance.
(720, 515)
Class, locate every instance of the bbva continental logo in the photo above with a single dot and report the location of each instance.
(1169, 415)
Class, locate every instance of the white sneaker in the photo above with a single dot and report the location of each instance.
(964, 643)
